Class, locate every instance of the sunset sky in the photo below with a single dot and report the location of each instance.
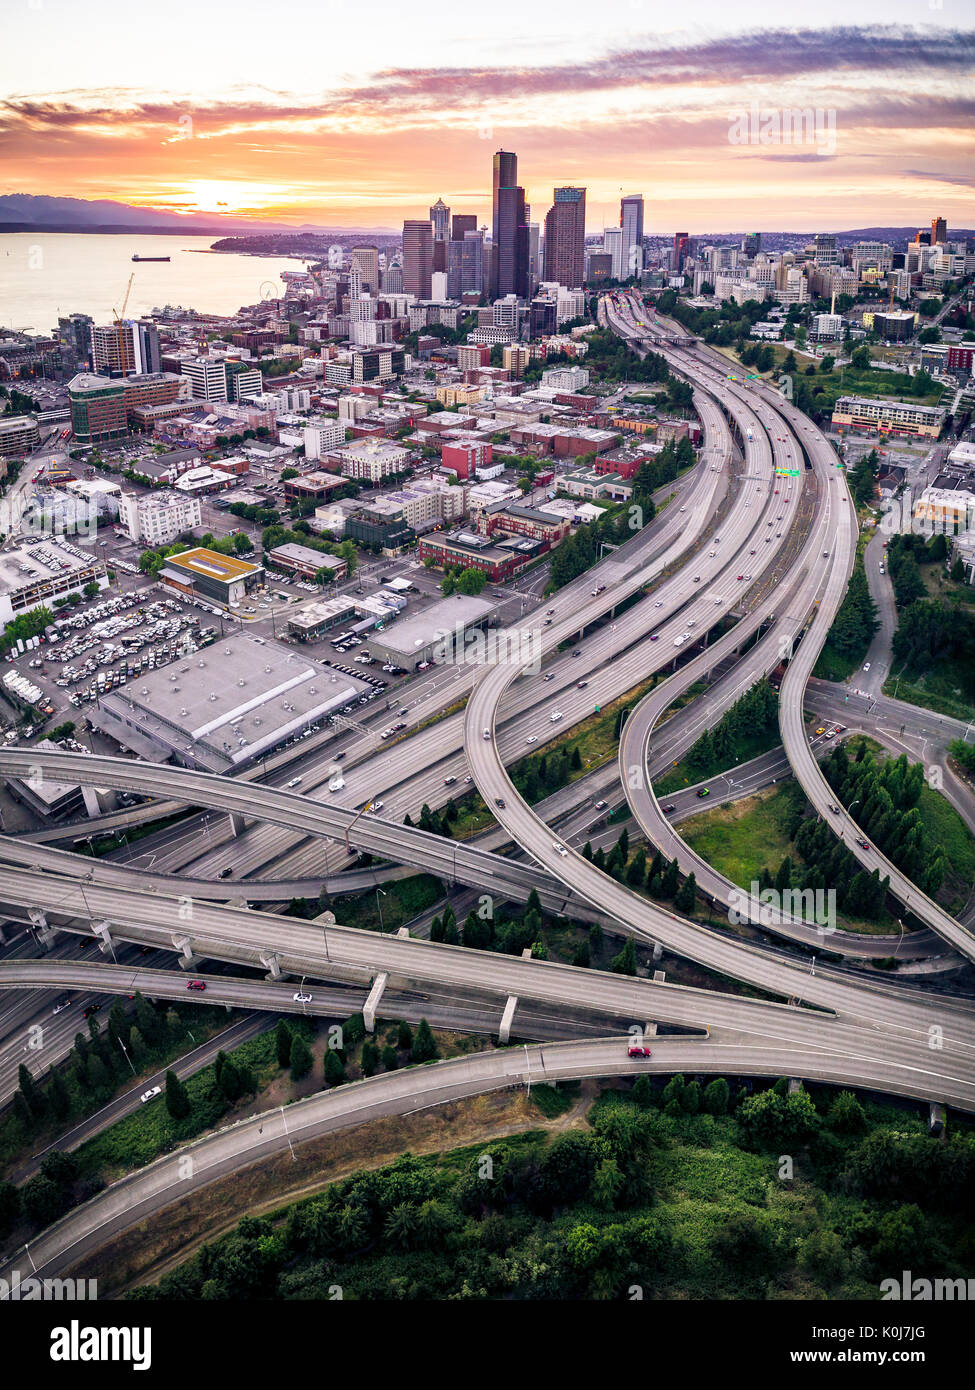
(363, 114)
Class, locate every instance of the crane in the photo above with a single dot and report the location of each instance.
(128, 290)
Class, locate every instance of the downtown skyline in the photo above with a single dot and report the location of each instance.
(394, 124)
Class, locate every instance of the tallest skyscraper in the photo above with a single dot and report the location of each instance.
(510, 229)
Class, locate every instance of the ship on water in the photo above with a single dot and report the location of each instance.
(150, 258)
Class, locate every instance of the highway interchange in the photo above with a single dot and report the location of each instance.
(848, 1028)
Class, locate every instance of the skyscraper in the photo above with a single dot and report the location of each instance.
(368, 258)
(417, 258)
(461, 223)
(565, 238)
(613, 246)
(631, 227)
(440, 218)
(510, 229)
(682, 244)
(939, 230)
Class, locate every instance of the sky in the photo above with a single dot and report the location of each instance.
(342, 114)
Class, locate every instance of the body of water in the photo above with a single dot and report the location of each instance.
(44, 275)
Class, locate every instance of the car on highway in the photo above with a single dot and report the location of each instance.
(559, 848)
(336, 784)
(555, 716)
(487, 733)
(581, 685)
(449, 781)
(601, 805)
(532, 738)
(834, 808)
(295, 782)
(300, 998)
(668, 809)
(148, 1095)
(655, 637)
(704, 791)
(866, 665)
(549, 676)
(225, 873)
(638, 1050)
(198, 985)
(577, 652)
(863, 844)
(377, 806)
(499, 802)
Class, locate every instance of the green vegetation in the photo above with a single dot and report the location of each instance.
(749, 728)
(678, 1191)
(25, 625)
(934, 645)
(96, 1070)
(740, 840)
(855, 624)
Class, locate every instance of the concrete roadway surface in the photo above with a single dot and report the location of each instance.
(879, 654)
(194, 1166)
(797, 674)
(442, 1009)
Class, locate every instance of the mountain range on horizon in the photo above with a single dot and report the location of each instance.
(45, 212)
(26, 211)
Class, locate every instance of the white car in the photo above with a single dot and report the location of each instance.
(337, 783)
(148, 1095)
(866, 665)
(554, 718)
(300, 998)
(532, 738)
(559, 848)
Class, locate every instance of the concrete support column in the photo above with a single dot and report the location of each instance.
(658, 951)
(103, 930)
(650, 1030)
(271, 961)
(187, 960)
(45, 932)
(936, 1118)
(404, 932)
(795, 1085)
(658, 976)
(507, 1018)
(236, 824)
(372, 1002)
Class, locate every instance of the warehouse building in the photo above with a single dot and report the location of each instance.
(225, 706)
(412, 640)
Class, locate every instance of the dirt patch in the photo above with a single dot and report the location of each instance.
(147, 1251)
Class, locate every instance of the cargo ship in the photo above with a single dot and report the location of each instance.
(150, 258)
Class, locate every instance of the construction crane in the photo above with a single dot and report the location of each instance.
(128, 290)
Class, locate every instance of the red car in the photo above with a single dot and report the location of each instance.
(196, 984)
(636, 1050)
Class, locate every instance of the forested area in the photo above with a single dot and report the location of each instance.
(674, 1187)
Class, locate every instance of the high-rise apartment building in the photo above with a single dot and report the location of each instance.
(682, 246)
(631, 230)
(613, 247)
(565, 238)
(939, 230)
(826, 252)
(368, 258)
(208, 378)
(417, 258)
(119, 349)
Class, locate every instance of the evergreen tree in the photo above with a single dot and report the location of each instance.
(301, 1058)
(687, 895)
(625, 962)
(334, 1070)
(282, 1043)
(404, 1036)
(424, 1045)
(177, 1100)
